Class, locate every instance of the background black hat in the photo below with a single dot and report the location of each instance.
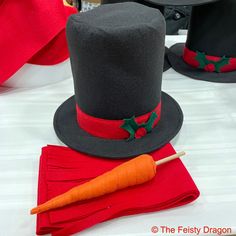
(180, 2)
(166, 60)
(117, 77)
(212, 32)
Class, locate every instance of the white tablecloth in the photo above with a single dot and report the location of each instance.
(208, 136)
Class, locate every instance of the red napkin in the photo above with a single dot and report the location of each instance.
(62, 168)
(26, 28)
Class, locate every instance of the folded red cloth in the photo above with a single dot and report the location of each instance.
(56, 50)
(26, 28)
(62, 168)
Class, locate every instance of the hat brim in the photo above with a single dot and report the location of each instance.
(181, 2)
(69, 132)
(167, 65)
(178, 64)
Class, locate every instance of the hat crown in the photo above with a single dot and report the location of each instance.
(117, 53)
(212, 27)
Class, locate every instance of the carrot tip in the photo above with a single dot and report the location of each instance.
(34, 211)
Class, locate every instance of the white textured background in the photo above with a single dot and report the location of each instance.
(208, 136)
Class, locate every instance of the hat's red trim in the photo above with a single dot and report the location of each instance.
(209, 63)
(111, 129)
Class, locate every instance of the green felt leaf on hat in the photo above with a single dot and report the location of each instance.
(149, 124)
(131, 126)
(203, 62)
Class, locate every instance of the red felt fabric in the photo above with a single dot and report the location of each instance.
(56, 50)
(111, 129)
(62, 168)
(26, 28)
(189, 57)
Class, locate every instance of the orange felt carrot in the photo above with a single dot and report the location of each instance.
(136, 171)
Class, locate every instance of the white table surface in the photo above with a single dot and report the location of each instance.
(208, 136)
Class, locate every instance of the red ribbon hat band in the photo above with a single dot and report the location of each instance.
(134, 127)
(209, 63)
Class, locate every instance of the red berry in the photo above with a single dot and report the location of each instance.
(140, 132)
(210, 68)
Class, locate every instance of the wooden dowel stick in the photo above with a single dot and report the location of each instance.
(170, 158)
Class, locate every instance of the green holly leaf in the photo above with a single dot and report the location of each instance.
(201, 58)
(219, 64)
(149, 124)
(130, 126)
(203, 61)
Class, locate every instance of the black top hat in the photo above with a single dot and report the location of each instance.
(118, 109)
(209, 53)
(166, 60)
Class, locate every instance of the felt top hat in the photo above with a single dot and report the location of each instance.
(118, 110)
(166, 60)
(32, 32)
(209, 53)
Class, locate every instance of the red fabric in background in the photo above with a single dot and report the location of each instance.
(62, 168)
(26, 28)
(56, 50)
